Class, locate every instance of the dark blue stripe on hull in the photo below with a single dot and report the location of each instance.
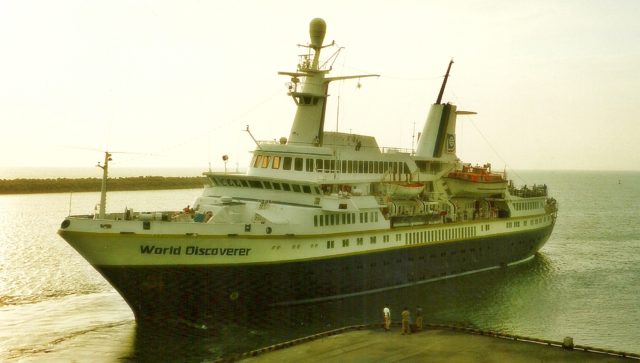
(204, 292)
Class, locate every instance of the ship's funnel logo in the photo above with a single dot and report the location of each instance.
(451, 143)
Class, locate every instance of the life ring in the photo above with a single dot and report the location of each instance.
(269, 230)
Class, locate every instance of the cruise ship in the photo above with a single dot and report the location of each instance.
(318, 215)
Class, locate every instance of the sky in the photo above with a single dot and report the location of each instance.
(556, 84)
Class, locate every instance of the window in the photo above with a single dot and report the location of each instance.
(332, 165)
(276, 162)
(330, 244)
(372, 239)
(298, 164)
(255, 184)
(319, 165)
(276, 186)
(296, 188)
(286, 187)
(265, 161)
(345, 243)
(267, 185)
(306, 189)
(359, 241)
(315, 221)
(286, 165)
(309, 165)
(343, 166)
(257, 161)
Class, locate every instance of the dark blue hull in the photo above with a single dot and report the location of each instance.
(204, 292)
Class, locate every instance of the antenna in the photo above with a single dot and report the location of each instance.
(444, 83)
(338, 113)
(413, 139)
(253, 138)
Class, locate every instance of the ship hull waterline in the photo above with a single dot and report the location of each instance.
(203, 292)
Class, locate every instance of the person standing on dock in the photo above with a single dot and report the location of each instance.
(418, 318)
(405, 321)
(386, 313)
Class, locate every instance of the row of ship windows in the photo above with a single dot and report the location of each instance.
(329, 166)
(528, 205)
(266, 185)
(343, 218)
(360, 240)
(533, 222)
(412, 238)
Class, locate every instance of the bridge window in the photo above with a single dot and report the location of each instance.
(306, 189)
(319, 165)
(286, 187)
(265, 161)
(298, 164)
(257, 162)
(286, 165)
(276, 162)
(309, 164)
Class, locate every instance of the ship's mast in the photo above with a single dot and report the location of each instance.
(103, 190)
(311, 100)
(444, 83)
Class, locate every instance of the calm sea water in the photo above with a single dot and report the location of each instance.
(584, 284)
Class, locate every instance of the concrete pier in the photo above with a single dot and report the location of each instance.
(430, 345)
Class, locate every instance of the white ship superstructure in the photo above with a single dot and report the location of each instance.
(318, 215)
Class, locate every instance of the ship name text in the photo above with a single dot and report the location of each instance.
(193, 251)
